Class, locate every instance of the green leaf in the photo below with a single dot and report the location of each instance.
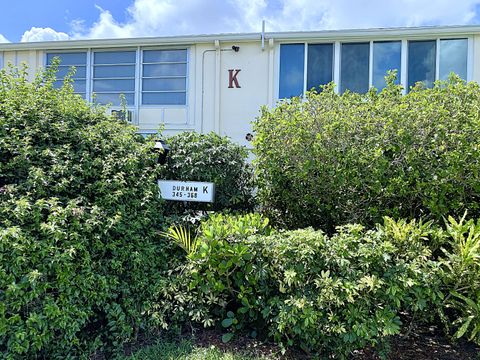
(227, 337)
(463, 329)
(227, 322)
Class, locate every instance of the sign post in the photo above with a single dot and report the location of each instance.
(187, 190)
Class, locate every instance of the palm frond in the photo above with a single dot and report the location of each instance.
(182, 236)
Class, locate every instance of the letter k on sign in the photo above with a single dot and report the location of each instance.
(232, 78)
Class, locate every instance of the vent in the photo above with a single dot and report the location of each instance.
(122, 115)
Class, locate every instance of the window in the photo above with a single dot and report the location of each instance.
(386, 57)
(164, 77)
(68, 61)
(319, 70)
(421, 62)
(453, 58)
(292, 61)
(365, 64)
(114, 75)
(354, 68)
(319, 65)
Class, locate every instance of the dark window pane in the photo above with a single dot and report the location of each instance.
(114, 99)
(319, 65)
(79, 58)
(421, 62)
(164, 70)
(113, 85)
(386, 56)
(292, 58)
(167, 98)
(453, 58)
(114, 57)
(114, 71)
(354, 67)
(167, 84)
(151, 56)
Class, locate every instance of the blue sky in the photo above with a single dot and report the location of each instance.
(37, 20)
(19, 16)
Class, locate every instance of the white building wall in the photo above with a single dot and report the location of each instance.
(211, 104)
(475, 58)
(218, 108)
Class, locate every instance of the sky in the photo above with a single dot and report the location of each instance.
(43, 20)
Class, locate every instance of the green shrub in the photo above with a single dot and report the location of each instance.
(327, 294)
(344, 292)
(352, 158)
(460, 275)
(210, 158)
(226, 267)
(203, 289)
(79, 211)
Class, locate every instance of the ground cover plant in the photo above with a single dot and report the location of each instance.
(333, 159)
(421, 343)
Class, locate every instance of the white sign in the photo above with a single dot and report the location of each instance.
(187, 190)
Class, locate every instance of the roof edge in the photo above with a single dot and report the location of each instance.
(450, 30)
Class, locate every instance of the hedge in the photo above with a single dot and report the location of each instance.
(80, 258)
(335, 159)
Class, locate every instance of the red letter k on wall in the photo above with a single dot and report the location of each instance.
(232, 78)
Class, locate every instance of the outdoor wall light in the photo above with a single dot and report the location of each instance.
(163, 150)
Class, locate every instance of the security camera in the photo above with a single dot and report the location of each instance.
(235, 48)
(163, 150)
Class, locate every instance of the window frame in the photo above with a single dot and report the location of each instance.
(73, 51)
(187, 78)
(338, 87)
(372, 56)
(403, 74)
(469, 57)
(138, 73)
(93, 78)
(305, 63)
(305, 53)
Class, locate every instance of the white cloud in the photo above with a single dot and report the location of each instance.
(3, 39)
(43, 34)
(173, 17)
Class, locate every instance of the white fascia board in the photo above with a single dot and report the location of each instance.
(324, 35)
(129, 42)
(369, 34)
